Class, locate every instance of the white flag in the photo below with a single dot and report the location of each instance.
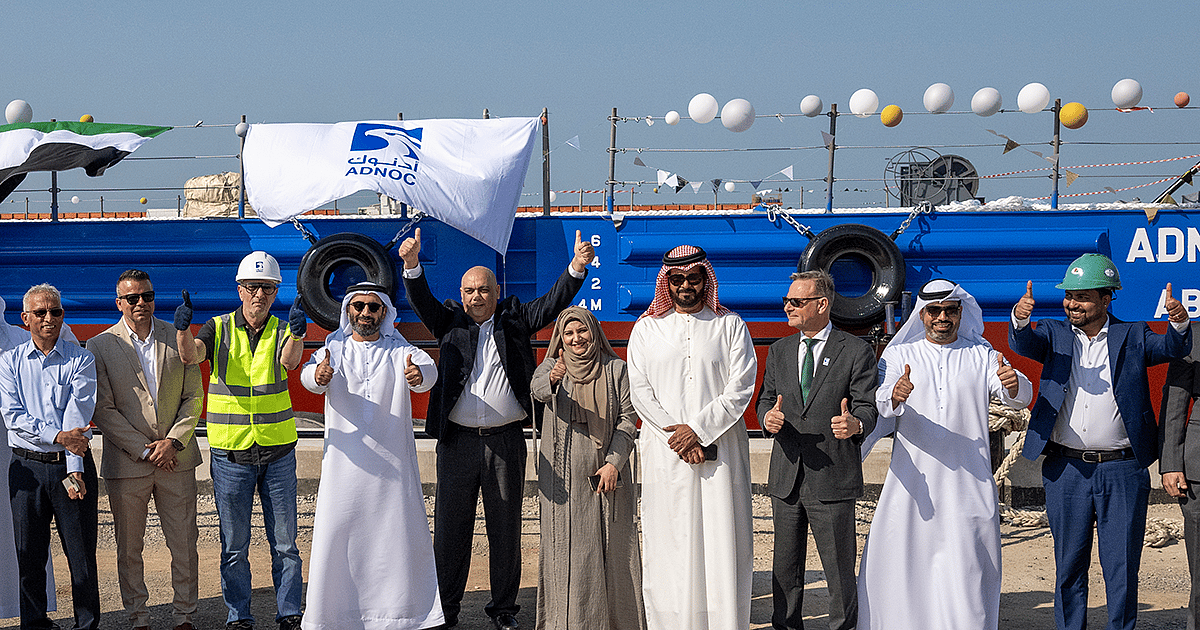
(467, 173)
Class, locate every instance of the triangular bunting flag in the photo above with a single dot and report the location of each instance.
(787, 172)
(649, 121)
(1187, 178)
(679, 183)
(755, 184)
(1009, 146)
(1170, 200)
(662, 177)
(637, 161)
(672, 181)
(826, 139)
(1070, 177)
(574, 142)
(716, 184)
(696, 186)
(1150, 214)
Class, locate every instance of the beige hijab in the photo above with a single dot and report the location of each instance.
(589, 395)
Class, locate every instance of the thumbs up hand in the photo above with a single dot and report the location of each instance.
(902, 388)
(559, 370)
(1024, 307)
(584, 253)
(1008, 376)
(773, 419)
(324, 372)
(1175, 310)
(412, 373)
(410, 249)
(845, 424)
(183, 314)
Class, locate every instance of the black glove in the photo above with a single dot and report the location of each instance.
(183, 314)
(297, 321)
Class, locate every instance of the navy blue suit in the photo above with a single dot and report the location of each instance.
(1112, 496)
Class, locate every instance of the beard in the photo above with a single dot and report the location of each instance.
(686, 299)
(365, 327)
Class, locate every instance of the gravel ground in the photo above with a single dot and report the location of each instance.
(1027, 600)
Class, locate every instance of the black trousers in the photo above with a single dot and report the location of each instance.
(36, 492)
(468, 464)
(1189, 504)
(832, 524)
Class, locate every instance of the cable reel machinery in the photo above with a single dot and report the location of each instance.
(922, 174)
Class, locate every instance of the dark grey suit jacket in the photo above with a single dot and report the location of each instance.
(807, 458)
(1179, 441)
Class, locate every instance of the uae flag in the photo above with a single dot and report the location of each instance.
(61, 146)
(466, 173)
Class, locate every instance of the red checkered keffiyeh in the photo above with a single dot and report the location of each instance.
(683, 259)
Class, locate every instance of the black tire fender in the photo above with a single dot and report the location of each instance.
(339, 254)
(870, 246)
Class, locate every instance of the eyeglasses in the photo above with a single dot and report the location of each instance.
(41, 312)
(694, 279)
(800, 302)
(370, 306)
(936, 311)
(254, 287)
(133, 298)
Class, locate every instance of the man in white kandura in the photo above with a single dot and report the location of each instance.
(932, 559)
(691, 373)
(371, 566)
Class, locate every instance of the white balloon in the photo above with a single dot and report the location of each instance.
(1126, 93)
(938, 98)
(18, 111)
(1033, 98)
(553, 196)
(75, 199)
(986, 101)
(703, 108)
(729, 186)
(672, 117)
(737, 115)
(811, 105)
(240, 129)
(863, 103)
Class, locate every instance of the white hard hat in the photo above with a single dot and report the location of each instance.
(259, 266)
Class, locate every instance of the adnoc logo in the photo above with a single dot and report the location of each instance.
(385, 151)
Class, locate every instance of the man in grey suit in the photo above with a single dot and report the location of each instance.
(817, 401)
(1179, 462)
(147, 406)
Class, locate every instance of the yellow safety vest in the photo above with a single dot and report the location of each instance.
(248, 400)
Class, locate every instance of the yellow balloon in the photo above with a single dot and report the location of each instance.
(142, 201)
(891, 116)
(1073, 115)
(86, 118)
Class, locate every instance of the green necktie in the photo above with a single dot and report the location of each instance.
(806, 368)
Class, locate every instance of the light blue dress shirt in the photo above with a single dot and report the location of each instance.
(42, 394)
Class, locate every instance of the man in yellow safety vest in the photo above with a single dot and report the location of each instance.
(252, 433)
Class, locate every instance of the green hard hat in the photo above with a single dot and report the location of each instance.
(1091, 271)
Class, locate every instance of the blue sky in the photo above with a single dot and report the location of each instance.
(303, 61)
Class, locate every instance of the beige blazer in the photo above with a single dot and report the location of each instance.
(125, 410)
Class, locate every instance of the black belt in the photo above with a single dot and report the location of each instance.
(486, 431)
(53, 457)
(1090, 456)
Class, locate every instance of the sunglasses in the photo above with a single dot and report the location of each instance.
(41, 312)
(267, 289)
(800, 302)
(936, 311)
(132, 298)
(694, 279)
(370, 306)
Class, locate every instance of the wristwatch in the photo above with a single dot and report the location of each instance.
(176, 444)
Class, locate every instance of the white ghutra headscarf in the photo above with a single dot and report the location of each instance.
(336, 340)
(940, 290)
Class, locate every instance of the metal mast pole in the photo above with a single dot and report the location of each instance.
(1057, 142)
(545, 162)
(612, 162)
(832, 146)
(242, 177)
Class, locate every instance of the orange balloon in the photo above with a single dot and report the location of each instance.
(891, 116)
(1073, 115)
(1182, 99)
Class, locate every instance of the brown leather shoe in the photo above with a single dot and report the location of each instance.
(187, 625)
